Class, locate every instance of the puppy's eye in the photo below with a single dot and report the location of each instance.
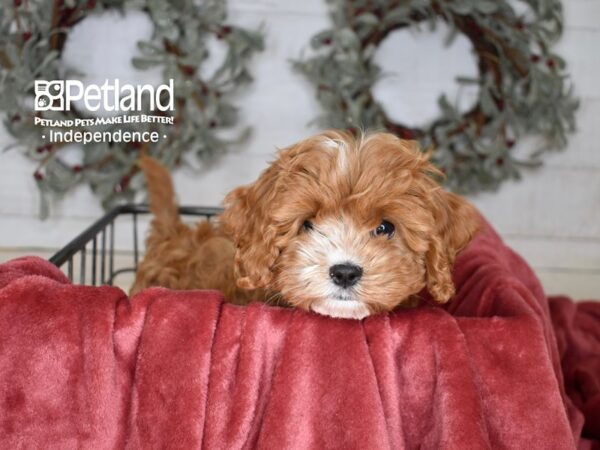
(384, 228)
(307, 225)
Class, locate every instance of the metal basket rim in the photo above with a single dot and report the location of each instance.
(79, 242)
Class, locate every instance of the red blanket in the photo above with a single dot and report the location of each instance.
(85, 367)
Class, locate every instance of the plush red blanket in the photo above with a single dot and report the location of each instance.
(85, 367)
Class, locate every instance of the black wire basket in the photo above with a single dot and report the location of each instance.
(90, 257)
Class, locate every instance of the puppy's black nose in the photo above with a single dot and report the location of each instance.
(345, 275)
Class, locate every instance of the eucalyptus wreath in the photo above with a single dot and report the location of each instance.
(32, 37)
(522, 87)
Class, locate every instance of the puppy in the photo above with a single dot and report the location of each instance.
(180, 256)
(342, 226)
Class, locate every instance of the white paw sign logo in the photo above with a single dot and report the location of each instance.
(49, 95)
(112, 95)
(57, 95)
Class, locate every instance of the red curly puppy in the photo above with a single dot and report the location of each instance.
(180, 256)
(342, 226)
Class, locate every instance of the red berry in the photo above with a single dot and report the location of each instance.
(39, 176)
(122, 184)
(17, 3)
(44, 148)
(500, 162)
(327, 41)
(474, 27)
(551, 63)
(188, 70)
(91, 4)
(223, 31)
(406, 134)
(510, 143)
(535, 58)
(77, 168)
(26, 36)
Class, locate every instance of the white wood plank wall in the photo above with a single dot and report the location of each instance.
(552, 216)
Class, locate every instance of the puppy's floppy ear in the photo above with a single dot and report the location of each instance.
(247, 220)
(456, 222)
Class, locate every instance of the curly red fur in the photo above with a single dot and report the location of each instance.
(180, 256)
(345, 187)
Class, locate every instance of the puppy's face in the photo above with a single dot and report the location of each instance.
(348, 227)
(348, 266)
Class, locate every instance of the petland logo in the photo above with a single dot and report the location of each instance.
(131, 126)
(57, 95)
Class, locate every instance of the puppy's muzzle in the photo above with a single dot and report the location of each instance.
(345, 275)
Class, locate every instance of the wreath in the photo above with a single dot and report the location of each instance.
(522, 84)
(32, 37)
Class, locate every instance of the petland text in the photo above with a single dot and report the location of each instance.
(57, 95)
